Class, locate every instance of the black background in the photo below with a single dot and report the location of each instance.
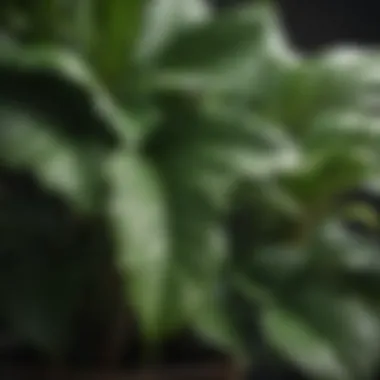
(316, 23)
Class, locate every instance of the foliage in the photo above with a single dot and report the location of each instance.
(206, 159)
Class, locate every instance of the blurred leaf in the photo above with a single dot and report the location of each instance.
(117, 29)
(139, 218)
(301, 344)
(163, 20)
(199, 245)
(334, 246)
(217, 54)
(324, 176)
(331, 80)
(353, 74)
(328, 336)
(47, 67)
(30, 141)
(201, 172)
(341, 130)
(361, 212)
(235, 146)
(277, 264)
(201, 168)
(213, 322)
(275, 56)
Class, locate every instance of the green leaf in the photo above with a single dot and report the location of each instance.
(214, 323)
(301, 344)
(233, 147)
(139, 217)
(326, 335)
(331, 80)
(31, 141)
(163, 20)
(277, 264)
(219, 53)
(353, 75)
(200, 246)
(201, 172)
(324, 176)
(334, 247)
(44, 66)
(342, 131)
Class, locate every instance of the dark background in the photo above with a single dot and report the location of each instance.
(313, 24)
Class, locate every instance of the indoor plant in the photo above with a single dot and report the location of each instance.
(76, 137)
(148, 134)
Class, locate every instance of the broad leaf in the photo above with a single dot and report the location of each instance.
(332, 80)
(213, 321)
(240, 145)
(341, 130)
(328, 336)
(223, 53)
(324, 176)
(32, 142)
(201, 172)
(335, 247)
(139, 216)
(301, 344)
(199, 247)
(42, 68)
(162, 21)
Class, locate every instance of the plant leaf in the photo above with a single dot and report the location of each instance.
(344, 130)
(201, 172)
(217, 54)
(234, 147)
(333, 80)
(139, 218)
(163, 20)
(302, 345)
(329, 336)
(335, 247)
(214, 323)
(199, 245)
(30, 141)
(43, 68)
(324, 176)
